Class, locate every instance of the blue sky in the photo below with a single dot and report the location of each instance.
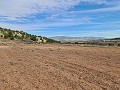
(81, 18)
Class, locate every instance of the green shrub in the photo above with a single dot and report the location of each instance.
(118, 44)
(6, 36)
(76, 43)
(33, 38)
(110, 44)
(11, 38)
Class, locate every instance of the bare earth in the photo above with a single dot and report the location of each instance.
(59, 67)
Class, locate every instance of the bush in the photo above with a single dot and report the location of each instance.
(10, 34)
(118, 44)
(76, 43)
(11, 38)
(33, 38)
(6, 36)
(110, 44)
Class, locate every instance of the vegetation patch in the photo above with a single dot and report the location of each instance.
(23, 36)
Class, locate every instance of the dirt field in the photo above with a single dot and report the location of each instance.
(59, 67)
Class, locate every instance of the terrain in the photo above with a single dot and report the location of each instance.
(22, 37)
(59, 67)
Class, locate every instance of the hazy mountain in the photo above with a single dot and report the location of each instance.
(115, 38)
(65, 38)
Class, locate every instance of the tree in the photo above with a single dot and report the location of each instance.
(22, 36)
(76, 43)
(10, 33)
(33, 38)
(11, 38)
(6, 36)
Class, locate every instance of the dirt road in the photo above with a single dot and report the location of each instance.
(59, 67)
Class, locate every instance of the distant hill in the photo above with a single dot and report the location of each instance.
(65, 38)
(115, 39)
(16, 35)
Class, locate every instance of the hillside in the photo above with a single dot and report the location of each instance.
(24, 37)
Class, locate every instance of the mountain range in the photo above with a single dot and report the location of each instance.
(66, 38)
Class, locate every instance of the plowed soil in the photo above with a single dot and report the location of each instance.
(59, 67)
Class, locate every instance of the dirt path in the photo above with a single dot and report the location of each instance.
(59, 67)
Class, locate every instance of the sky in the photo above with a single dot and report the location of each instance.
(77, 18)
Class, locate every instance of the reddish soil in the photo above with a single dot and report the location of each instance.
(59, 67)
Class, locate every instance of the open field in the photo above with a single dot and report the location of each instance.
(59, 67)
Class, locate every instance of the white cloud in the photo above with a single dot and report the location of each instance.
(100, 10)
(44, 25)
(22, 8)
(18, 10)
